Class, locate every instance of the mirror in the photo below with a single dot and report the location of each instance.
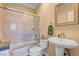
(66, 14)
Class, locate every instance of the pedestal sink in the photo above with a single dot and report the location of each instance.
(61, 43)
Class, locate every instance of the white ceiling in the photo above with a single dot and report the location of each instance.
(31, 5)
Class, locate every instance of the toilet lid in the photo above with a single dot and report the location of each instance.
(35, 49)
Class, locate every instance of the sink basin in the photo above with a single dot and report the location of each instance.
(61, 43)
(64, 43)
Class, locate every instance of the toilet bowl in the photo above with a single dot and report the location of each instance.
(37, 50)
(43, 44)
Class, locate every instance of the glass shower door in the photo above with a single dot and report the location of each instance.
(28, 31)
(18, 27)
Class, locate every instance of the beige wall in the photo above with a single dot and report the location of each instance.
(47, 14)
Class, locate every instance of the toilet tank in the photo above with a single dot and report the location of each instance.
(43, 43)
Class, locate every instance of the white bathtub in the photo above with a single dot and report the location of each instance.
(20, 52)
(21, 49)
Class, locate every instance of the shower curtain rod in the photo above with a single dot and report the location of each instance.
(16, 11)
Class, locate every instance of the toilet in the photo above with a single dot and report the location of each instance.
(37, 50)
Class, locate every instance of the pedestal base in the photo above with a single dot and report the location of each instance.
(59, 51)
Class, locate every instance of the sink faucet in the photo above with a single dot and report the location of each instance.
(61, 35)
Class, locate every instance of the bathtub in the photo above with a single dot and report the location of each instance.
(21, 49)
